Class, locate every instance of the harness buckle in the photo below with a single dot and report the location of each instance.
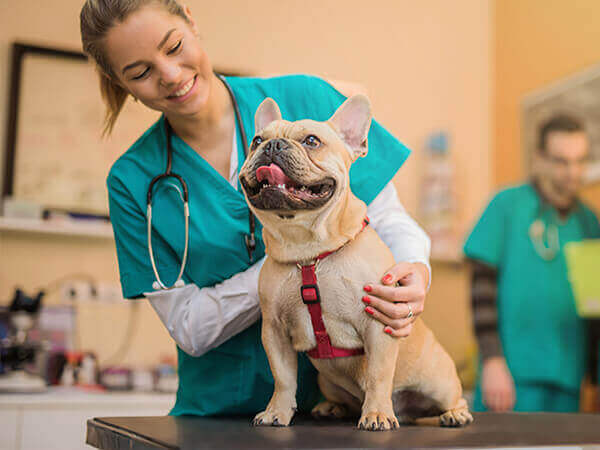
(310, 294)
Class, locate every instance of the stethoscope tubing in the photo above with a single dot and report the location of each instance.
(250, 240)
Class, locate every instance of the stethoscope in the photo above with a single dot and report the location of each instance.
(183, 193)
(544, 236)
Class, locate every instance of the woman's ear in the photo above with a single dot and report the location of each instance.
(188, 13)
(109, 77)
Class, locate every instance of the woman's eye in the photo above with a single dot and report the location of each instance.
(141, 75)
(311, 141)
(256, 142)
(174, 49)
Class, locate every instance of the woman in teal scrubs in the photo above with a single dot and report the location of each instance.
(149, 50)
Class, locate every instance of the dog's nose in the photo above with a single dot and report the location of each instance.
(275, 145)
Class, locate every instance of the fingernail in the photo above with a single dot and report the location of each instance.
(387, 278)
(366, 299)
(368, 288)
(369, 310)
(388, 330)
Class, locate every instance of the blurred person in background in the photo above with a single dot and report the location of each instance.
(531, 342)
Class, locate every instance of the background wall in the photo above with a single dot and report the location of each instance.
(426, 66)
(536, 43)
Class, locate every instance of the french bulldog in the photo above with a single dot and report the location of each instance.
(296, 181)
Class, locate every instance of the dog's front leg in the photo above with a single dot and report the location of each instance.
(284, 367)
(381, 352)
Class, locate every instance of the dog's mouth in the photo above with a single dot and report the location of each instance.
(273, 189)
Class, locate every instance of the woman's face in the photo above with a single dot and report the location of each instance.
(156, 56)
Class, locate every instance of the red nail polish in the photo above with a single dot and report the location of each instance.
(366, 299)
(368, 288)
(387, 330)
(387, 278)
(369, 310)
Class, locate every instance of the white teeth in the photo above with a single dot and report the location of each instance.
(185, 89)
(281, 186)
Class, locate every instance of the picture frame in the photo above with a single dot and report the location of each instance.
(577, 95)
(55, 155)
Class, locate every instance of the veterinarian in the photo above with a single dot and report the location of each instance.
(150, 50)
(532, 343)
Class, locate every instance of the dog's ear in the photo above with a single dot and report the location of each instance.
(267, 112)
(352, 121)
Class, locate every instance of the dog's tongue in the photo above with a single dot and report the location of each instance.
(273, 174)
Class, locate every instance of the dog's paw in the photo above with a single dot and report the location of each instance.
(458, 417)
(273, 418)
(377, 421)
(329, 410)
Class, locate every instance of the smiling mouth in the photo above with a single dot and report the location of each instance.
(273, 189)
(184, 89)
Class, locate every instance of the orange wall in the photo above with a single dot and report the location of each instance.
(426, 66)
(537, 42)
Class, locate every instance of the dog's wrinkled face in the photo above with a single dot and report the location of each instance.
(284, 171)
(301, 165)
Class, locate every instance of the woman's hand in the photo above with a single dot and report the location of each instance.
(400, 300)
(497, 385)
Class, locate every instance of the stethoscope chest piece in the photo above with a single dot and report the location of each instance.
(539, 233)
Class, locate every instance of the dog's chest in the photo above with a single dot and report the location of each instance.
(340, 286)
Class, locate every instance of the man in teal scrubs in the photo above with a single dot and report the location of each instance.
(233, 378)
(532, 343)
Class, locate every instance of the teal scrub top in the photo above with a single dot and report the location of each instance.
(542, 337)
(233, 378)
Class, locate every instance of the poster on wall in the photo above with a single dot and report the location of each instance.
(577, 95)
(57, 158)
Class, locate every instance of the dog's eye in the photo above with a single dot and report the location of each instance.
(311, 141)
(255, 142)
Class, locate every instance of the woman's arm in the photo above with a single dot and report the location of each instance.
(399, 301)
(200, 319)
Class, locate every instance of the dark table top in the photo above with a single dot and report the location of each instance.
(488, 430)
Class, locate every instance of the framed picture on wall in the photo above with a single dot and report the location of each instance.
(577, 95)
(55, 155)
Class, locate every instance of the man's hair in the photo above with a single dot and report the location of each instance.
(562, 122)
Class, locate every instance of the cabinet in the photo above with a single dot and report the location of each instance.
(57, 419)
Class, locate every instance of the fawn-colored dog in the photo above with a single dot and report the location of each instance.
(296, 181)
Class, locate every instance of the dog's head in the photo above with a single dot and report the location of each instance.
(302, 167)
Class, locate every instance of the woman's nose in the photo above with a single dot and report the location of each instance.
(170, 74)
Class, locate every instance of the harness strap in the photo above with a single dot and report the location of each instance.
(312, 299)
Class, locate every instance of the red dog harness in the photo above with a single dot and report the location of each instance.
(311, 298)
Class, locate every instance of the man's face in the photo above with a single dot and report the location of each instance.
(564, 163)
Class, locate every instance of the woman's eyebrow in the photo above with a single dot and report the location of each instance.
(165, 38)
(160, 44)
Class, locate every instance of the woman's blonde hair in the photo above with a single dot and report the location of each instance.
(97, 17)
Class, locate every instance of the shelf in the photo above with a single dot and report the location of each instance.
(73, 397)
(82, 227)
